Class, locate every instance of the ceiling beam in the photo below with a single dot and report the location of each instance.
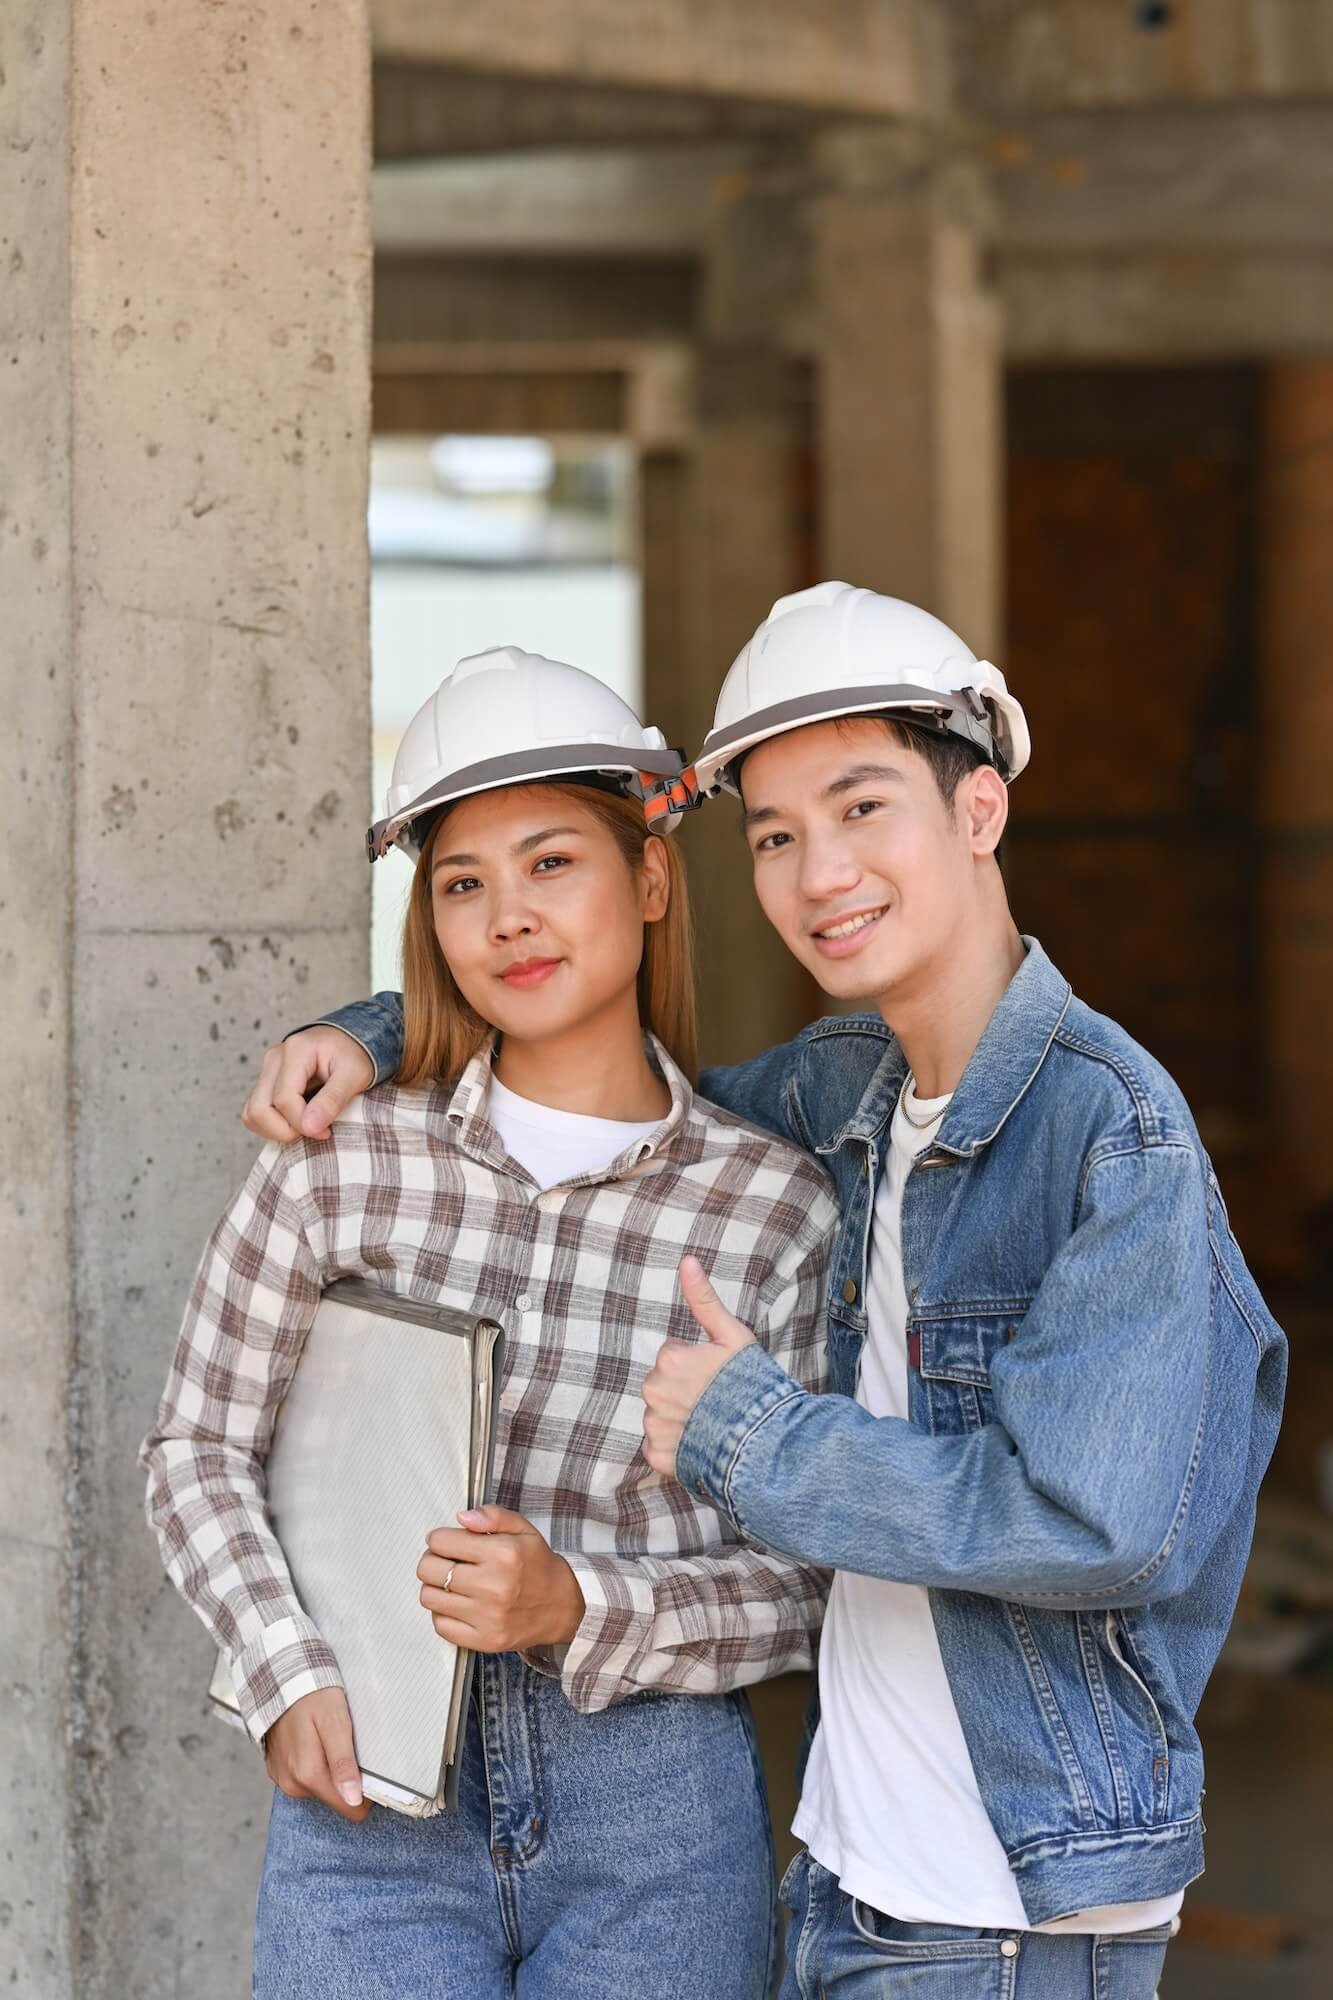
(881, 58)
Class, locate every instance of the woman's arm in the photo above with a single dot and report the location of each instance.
(701, 1624)
(252, 1303)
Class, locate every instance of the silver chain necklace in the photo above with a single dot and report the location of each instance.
(917, 1124)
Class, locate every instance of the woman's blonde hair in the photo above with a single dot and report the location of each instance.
(442, 1031)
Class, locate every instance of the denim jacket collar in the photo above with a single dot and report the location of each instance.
(1012, 1049)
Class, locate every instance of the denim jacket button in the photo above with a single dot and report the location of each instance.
(1009, 1947)
(849, 1290)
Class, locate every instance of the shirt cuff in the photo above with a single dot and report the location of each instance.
(735, 1403)
(285, 1661)
(617, 1626)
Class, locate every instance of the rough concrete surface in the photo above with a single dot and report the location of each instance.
(184, 348)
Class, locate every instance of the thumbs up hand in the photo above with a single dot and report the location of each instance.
(684, 1368)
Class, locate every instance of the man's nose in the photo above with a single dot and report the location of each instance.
(828, 868)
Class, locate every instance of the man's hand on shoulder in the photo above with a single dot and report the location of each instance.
(276, 1108)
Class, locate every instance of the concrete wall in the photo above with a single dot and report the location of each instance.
(186, 375)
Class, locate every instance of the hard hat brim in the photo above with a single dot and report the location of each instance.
(563, 762)
(723, 747)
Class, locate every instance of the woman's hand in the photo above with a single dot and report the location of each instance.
(497, 1586)
(309, 1753)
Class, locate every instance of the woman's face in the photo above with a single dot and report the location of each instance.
(539, 915)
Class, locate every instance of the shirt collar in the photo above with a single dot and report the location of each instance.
(1003, 1064)
(466, 1112)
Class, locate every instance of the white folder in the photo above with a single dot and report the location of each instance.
(386, 1432)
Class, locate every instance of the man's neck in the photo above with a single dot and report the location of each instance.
(940, 1021)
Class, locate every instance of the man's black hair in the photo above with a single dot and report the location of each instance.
(950, 757)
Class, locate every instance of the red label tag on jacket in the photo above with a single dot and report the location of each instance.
(914, 1350)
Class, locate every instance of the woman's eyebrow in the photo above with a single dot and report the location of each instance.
(524, 846)
(532, 840)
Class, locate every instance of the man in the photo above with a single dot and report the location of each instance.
(1057, 1385)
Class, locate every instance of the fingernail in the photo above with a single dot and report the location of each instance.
(472, 1517)
(351, 1792)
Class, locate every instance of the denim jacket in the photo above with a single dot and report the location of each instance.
(1095, 1389)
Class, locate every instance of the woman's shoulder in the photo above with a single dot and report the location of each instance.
(757, 1152)
(387, 1119)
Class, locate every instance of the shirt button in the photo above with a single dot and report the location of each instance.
(523, 1303)
(849, 1291)
(1008, 1947)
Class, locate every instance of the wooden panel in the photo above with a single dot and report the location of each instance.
(1131, 642)
(521, 404)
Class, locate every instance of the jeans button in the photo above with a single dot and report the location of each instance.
(1009, 1947)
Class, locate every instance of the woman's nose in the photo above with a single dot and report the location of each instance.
(512, 919)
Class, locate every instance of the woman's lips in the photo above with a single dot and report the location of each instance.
(530, 971)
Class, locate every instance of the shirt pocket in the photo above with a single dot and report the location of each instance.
(953, 1354)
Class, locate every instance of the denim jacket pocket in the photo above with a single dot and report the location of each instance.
(954, 1355)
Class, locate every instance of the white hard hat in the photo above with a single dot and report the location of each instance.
(833, 651)
(508, 717)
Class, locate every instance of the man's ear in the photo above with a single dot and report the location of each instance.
(986, 810)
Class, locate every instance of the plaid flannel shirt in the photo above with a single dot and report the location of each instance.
(414, 1192)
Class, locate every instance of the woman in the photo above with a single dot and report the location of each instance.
(540, 1159)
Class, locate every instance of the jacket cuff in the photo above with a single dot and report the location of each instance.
(327, 1021)
(737, 1400)
(285, 1661)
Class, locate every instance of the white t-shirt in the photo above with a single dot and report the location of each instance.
(891, 1805)
(558, 1146)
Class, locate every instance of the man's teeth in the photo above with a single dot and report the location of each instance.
(853, 924)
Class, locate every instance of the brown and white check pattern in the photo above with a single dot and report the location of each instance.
(414, 1192)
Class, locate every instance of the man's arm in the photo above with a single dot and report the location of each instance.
(377, 1024)
(1078, 1491)
(357, 1046)
(762, 1090)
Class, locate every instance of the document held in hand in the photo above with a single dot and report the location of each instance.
(386, 1432)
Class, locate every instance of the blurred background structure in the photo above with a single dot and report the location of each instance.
(1019, 308)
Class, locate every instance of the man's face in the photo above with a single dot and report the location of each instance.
(859, 864)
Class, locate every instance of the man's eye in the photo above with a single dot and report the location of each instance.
(864, 806)
(771, 841)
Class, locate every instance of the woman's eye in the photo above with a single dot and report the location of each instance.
(550, 862)
(464, 883)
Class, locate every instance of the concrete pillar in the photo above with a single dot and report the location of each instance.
(184, 402)
(908, 339)
(722, 539)
(1296, 652)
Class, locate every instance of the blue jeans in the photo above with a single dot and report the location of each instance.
(592, 1857)
(844, 1949)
